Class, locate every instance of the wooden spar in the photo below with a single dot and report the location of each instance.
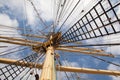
(21, 63)
(35, 36)
(18, 43)
(81, 48)
(64, 68)
(48, 69)
(19, 39)
(86, 52)
(88, 70)
(3, 46)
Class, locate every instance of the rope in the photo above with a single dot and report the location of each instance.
(58, 10)
(13, 51)
(64, 71)
(25, 74)
(106, 44)
(25, 16)
(44, 24)
(60, 14)
(40, 56)
(10, 49)
(69, 15)
(106, 61)
(29, 76)
(37, 12)
(68, 65)
(4, 26)
(68, 5)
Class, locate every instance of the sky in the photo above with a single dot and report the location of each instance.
(21, 14)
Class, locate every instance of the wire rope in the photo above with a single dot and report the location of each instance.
(67, 63)
(59, 5)
(25, 16)
(13, 51)
(22, 77)
(10, 49)
(106, 61)
(64, 72)
(69, 15)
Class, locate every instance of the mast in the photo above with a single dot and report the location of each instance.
(48, 69)
(96, 22)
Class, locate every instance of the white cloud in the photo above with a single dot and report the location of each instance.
(113, 67)
(1, 5)
(5, 20)
(72, 64)
(45, 9)
(30, 13)
(4, 31)
(115, 78)
(20, 9)
(76, 15)
(112, 39)
(16, 7)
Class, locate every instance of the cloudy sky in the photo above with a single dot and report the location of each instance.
(22, 14)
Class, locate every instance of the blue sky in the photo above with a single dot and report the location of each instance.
(20, 14)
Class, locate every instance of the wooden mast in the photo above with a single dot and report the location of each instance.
(48, 70)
